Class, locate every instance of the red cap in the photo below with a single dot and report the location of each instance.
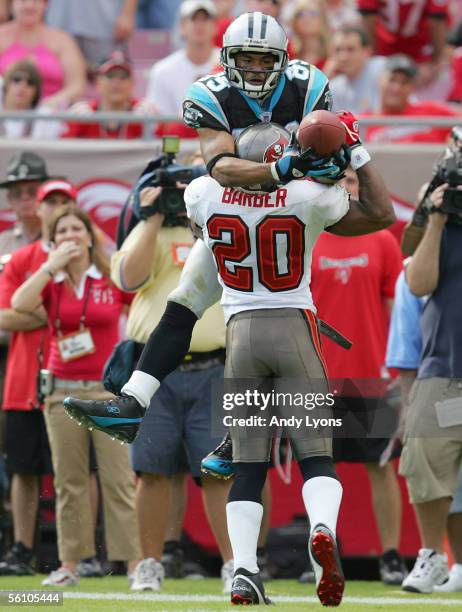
(61, 186)
(116, 60)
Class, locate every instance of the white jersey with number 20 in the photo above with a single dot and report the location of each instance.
(262, 243)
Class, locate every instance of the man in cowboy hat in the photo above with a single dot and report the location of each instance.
(25, 173)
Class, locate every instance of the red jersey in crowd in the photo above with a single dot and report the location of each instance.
(350, 281)
(101, 302)
(456, 70)
(402, 25)
(413, 133)
(221, 27)
(100, 130)
(20, 389)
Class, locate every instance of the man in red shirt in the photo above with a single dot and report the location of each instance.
(26, 442)
(455, 41)
(115, 85)
(414, 27)
(396, 88)
(353, 281)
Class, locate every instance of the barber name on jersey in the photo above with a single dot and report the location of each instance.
(236, 197)
(212, 102)
(262, 243)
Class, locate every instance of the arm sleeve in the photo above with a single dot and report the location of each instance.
(404, 338)
(332, 205)
(9, 282)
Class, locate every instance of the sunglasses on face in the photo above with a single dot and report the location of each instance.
(17, 191)
(17, 78)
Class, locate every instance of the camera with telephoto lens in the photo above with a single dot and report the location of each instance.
(166, 173)
(448, 169)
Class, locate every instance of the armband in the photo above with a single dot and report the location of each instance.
(359, 157)
(213, 161)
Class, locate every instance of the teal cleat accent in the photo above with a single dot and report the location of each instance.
(119, 417)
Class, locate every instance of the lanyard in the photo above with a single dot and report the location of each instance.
(84, 309)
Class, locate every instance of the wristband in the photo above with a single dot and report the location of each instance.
(359, 157)
(274, 172)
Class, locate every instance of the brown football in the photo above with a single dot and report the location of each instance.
(321, 131)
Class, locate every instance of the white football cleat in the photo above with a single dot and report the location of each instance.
(430, 569)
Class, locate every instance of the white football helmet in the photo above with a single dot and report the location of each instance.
(254, 33)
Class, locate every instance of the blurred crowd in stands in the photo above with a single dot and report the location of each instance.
(141, 56)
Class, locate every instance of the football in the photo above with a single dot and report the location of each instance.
(321, 131)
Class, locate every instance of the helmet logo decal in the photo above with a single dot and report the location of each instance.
(275, 150)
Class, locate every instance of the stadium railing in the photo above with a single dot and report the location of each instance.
(150, 122)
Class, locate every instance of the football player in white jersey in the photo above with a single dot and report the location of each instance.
(262, 245)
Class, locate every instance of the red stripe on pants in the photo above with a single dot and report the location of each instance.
(312, 323)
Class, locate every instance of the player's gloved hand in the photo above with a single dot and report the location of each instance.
(359, 154)
(294, 165)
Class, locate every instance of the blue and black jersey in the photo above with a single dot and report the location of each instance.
(212, 102)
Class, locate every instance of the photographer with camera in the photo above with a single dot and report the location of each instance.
(447, 170)
(431, 457)
(149, 263)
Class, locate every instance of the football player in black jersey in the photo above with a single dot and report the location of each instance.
(259, 84)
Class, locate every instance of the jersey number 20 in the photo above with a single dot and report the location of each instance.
(239, 247)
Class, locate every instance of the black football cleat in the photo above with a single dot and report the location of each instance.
(248, 589)
(325, 560)
(17, 561)
(119, 417)
(219, 463)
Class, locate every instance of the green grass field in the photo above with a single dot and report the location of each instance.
(112, 594)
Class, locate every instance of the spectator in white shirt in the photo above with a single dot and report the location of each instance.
(356, 85)
(170, 78)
